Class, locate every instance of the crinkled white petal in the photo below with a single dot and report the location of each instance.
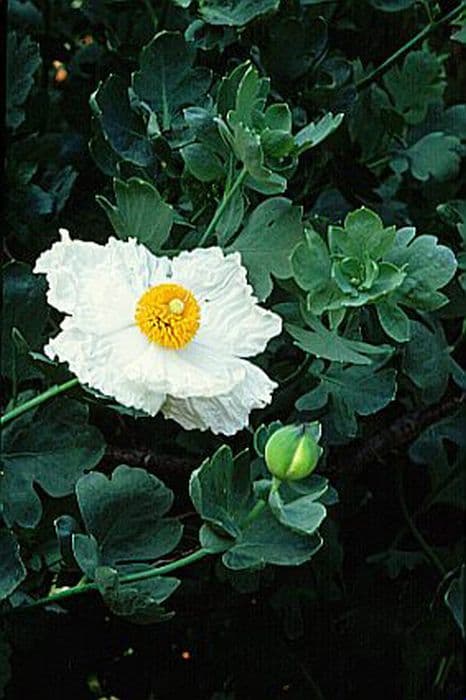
(227, 413)
(77, 348)
(231, 320)
(127, 359)
(99, 284)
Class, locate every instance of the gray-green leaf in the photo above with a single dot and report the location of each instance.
(166, 80)
(12, 569)
(124, 519)
(25, 308)
(267, 242)
(266, 541)
(138, 602)
(429, 266)
(237, 14)
(139, 212)
(351, 390)
(454, 598)
(416, 84)
(327, 344)
(303, 515)
(122, 128)
(51, 447)
(316, 132)
(22, 61)
(221, 491)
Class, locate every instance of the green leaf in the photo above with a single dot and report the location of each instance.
(392, 5)
(231, 219)
(229, 87)
(291, 58)
(460, 33)
(315, 486)
(367, 122)
(278, 117)
(416, 84)
(276, 143)
(329, 345)
(393, 320)
(139, 212)
(12, 569)
(435, 155)
(138, 602)
(429, 266)
(351, 391)
(316, 132)
(203, 163)
(123, 517)
(267, 241)
(221, 491)
(397, 561)
(237, 14)
(166, 80)
(454, 598)
(101, 151)
(212, 541)
(363, 235)
(302, 515)
(250, 97)
(266, 541)
(51, 447)
(22, 61)
(311, 263)
(427, 361)
(122, 128)
(25, 308)
(247, 147)
(242, 97)
(446, 467)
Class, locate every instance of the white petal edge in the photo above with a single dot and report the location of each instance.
(231, 319)
(99, 284)
(224, 414)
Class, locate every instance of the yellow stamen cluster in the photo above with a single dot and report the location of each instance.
(169, 315)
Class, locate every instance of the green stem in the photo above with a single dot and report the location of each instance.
(429, 14)
(377, 163)
(426, 504)
(82, 588)
(409, 45)
(167, 568)
(258, 507)
(427, 549)
(14, 375)
(222, 206)
(152, 14)
(302, 367)
(254, 513)
(37, 400)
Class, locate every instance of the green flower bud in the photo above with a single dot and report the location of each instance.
(292, 452)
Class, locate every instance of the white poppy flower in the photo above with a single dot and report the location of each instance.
(160, 334)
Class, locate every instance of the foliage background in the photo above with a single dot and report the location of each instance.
(371, 614)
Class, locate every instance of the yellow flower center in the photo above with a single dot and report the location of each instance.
(168, 315)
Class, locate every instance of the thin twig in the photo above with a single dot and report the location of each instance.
(377, 72)
(400, 433)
